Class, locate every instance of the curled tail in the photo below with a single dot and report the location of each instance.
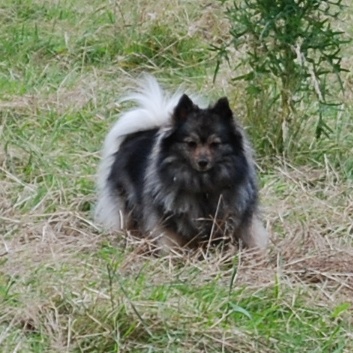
(153, 109)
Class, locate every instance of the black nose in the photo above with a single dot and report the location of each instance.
(202, 163)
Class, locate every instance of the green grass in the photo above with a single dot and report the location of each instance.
(67, 287)
(160, 308)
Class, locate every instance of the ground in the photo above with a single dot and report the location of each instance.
(67, 286)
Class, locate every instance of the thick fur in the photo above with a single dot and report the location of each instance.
(178, 173)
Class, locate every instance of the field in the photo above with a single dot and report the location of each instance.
(66, 286)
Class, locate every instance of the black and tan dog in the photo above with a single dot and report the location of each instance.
(179, 174)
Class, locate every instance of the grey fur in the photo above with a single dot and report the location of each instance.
(195, 178)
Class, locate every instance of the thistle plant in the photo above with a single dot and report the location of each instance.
(292, 58)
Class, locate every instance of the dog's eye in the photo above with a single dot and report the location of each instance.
(215, 144)
(191, 144)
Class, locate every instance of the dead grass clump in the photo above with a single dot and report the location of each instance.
(310, 220)
(46, 240)
(318, 262)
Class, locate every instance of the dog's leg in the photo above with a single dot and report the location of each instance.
(254, 235)
(167, 241)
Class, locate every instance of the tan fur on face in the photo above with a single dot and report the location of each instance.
(202, 151)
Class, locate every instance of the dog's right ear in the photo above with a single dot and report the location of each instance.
(184, 107)
(223, 109)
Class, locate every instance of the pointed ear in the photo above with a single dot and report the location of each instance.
(222, 108)
(184, 107)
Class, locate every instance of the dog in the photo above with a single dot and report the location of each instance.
(179, 173)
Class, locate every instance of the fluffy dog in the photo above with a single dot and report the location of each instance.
(179, 174)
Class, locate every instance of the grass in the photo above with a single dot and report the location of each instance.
(65, 286)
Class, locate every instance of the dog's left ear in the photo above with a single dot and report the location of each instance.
(222, 108)
(184, 107)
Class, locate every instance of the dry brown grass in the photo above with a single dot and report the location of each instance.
(52, 257)
(308, 214)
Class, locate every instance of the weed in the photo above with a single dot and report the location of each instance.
(292, 56)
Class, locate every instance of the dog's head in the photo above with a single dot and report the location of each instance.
(204, 138)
